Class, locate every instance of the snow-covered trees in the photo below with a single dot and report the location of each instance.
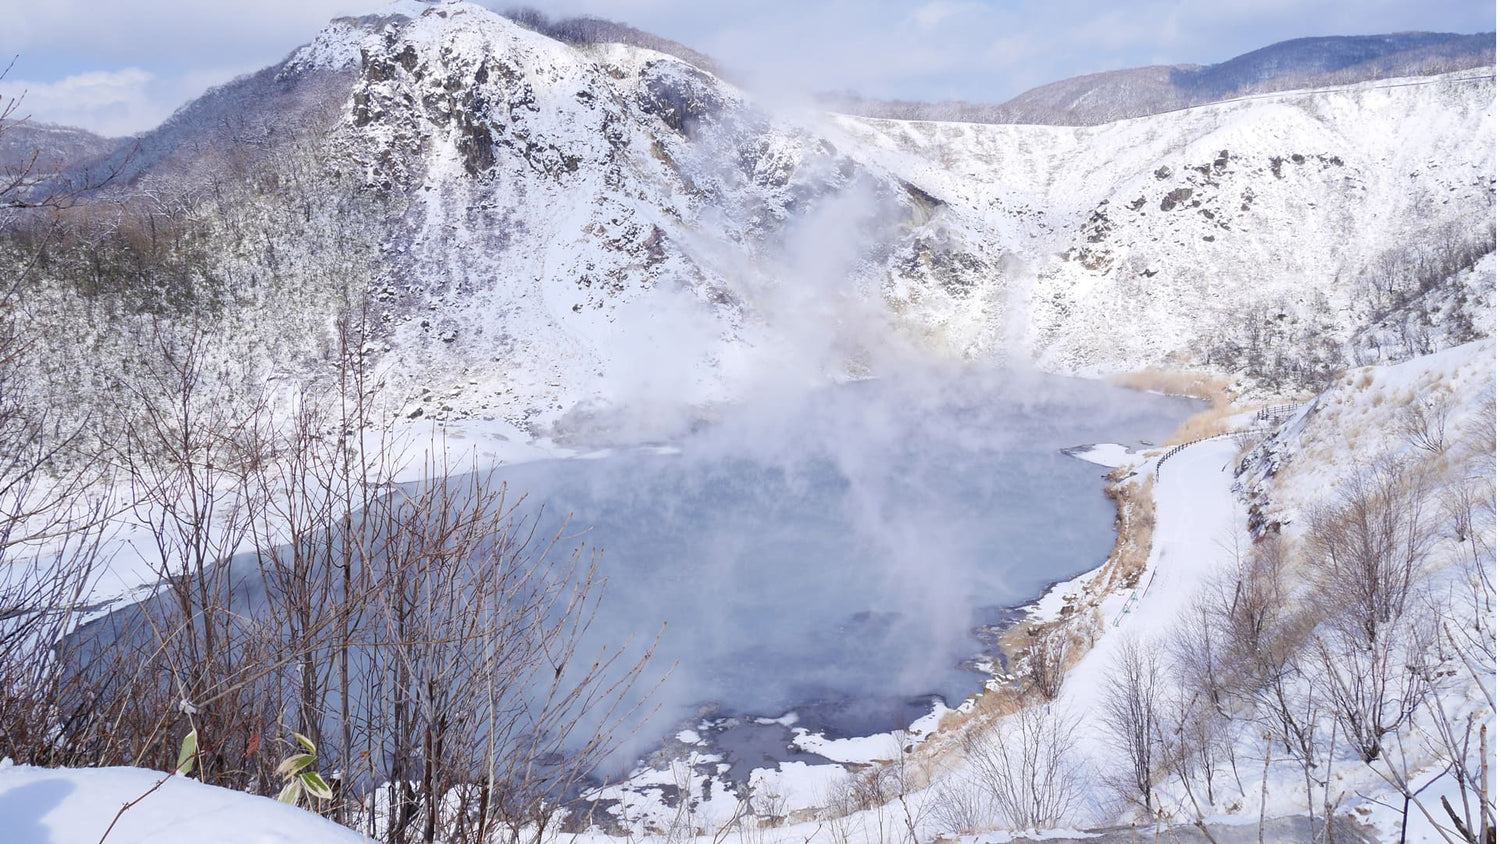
(427, 638)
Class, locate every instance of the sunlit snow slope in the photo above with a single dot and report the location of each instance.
(550, 231)
(1165, 240)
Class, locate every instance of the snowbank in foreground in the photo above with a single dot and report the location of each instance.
(68, 805)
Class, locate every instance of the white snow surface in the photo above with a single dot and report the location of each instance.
(1280, 191)
(1112, 455)
(73, 806)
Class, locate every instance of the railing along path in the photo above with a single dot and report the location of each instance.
(1277, 414)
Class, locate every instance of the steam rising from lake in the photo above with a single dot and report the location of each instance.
(834, 551)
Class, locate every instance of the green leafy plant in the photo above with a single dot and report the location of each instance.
(187, 754)
(299, 771)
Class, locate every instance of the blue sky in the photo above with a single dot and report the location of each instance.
(121, 66)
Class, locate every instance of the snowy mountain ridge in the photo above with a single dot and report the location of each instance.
(1220, 225)
(547, 229)
(1300, 63)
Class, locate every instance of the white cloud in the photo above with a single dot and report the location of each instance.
(141, 32)
(107, 102)
(122, 66)
(111, 103)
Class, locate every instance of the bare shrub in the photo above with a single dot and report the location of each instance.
(1247, 439)
(41, 597)
(960, 808)
(860, 801)
(894, 800)
(433, 643)
(481, 678)
(1370, 545)
(1027, 768)
(1424, 422)
(1047, 661)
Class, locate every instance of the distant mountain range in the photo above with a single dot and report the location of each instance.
(1116, 95)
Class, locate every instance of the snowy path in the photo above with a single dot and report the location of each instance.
(1198, 521)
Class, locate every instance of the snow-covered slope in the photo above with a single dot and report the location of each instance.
(547, 232)
(1437, 409)
(560, 226)
(1220, 234)
(62, 806)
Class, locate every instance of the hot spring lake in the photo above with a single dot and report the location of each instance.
(833, 554)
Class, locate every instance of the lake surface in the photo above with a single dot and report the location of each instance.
(832, 553)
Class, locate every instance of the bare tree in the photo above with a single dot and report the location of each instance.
(1132, 717)
(1198, 650)
(1195, 738)
(1468, 625)
(1368, 550)
(1461, 742)
(1367, 683)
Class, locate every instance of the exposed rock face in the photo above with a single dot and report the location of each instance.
(542, 189)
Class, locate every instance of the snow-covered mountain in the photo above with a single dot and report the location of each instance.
(1136, 92)
(549, 229)
(1215, 236)
(42, 148)
(592, 236)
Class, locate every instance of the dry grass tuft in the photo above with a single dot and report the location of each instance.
(1215, 391)
(1207, 423)
(1193, 384)
(1135, 520)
